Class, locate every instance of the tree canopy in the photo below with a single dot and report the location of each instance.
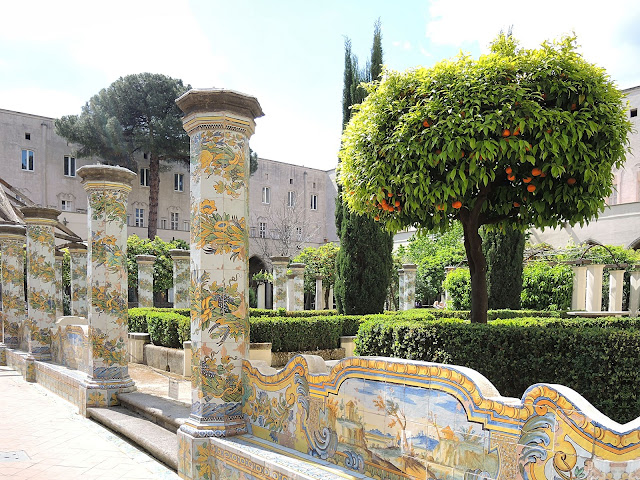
(518, 137)
(135, 114)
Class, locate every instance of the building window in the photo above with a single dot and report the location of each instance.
(145, 155)
(262, 230)
(128, 219)
(27, 160)
(174, 221)
(178, 183)
(314, 184)
(144, 177)
(69, 166)
(266, 195)
(27, 136)
(314, 202)
(291, 199)
(299, 233)
(185, 226)
(139, 217)
(66, 205)
(163, 223)
(633, 112)
(291, 181)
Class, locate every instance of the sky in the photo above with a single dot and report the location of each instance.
(289, 54)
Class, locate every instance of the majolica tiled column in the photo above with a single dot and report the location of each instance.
(107, 190)
(410, 271)
(319, 293)
(41, 281)
(594, 288)
(579, 294)
(261, 294)
(181, 277)
(59, 290)
(400, 289)
(616, 287)
(279, 281)
(297, 302)
(219, 124)
(145, 280)
(634, 291)
(14, 313)
(78, 255)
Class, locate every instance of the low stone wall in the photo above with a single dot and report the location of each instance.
(69, 346)
(280, 359)
(163, 358)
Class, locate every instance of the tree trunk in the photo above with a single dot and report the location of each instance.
(154, 188)
(477, 270)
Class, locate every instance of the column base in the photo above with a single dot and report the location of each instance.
(99, 393)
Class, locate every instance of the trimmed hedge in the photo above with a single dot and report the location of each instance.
(599, 358)
(281, 312)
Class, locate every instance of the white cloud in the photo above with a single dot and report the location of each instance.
(600, 28)
(121, 37)
(41, 101)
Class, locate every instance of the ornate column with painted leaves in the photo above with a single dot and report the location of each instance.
(107, 189)
(78, 267)
(280, 281)
(409, 291)
(297, 298)
(145, 280)
(41, 279)
(59, 292)
(219, 124)
(181, 277)
(14, 312)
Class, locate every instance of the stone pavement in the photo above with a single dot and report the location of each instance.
(51, 441)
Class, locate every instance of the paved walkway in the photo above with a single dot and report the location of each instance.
(51, 441)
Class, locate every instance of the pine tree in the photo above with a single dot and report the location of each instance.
(364, 260)
(503, 250)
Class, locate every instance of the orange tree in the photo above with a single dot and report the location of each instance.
(515, 138)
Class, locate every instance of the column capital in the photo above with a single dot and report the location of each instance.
(100, 176)
(11, 231)
(76, 248)
(40, 214)
(145, 259)
(280, 260)
(208, 107)
(179, 254)
(409, 267)
(297, 268)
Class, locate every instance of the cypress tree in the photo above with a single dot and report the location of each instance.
(363, 264)
(504, 251)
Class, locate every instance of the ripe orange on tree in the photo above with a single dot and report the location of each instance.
(527, 179)
(508, 170)
(506, 132)
(516, 204)
(511, 177)
(571, 181)
(456, 204)
(426, 124)
(531, 188)
(536, 172)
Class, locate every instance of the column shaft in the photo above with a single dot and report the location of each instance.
(594, 288)
(59, 289)
(579, 294)
(616, 287)
(181, 278)
(14, 312)
(279, 282)
(41, 281)
(634, 293)
(319, 294)
(78, 255)
(261, 295)
(145, 280)
(297, 302)
(409, 286)
(401, 305)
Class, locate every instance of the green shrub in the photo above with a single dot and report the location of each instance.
(546, 287)
(163, 328)
(458, 285)
(599, 358)
(297, 334)
(281, 312)
(138, 320)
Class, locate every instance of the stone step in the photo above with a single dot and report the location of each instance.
(161, 443)
(167, 413)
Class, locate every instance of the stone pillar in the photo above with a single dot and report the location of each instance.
(14, 312)
(219, 124)
(181, 277)
(579, 294)
(145, 280)
(400, 289)
(634, 293)
(107, 190)
(594, 288)
(319, 293)
(279, 281)
(297, 302)
(616, 286)
(261, 295)
(78, 255)
(290, 292)
(410, 271)
(59, 289)
(41, 279)
(331, 305)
